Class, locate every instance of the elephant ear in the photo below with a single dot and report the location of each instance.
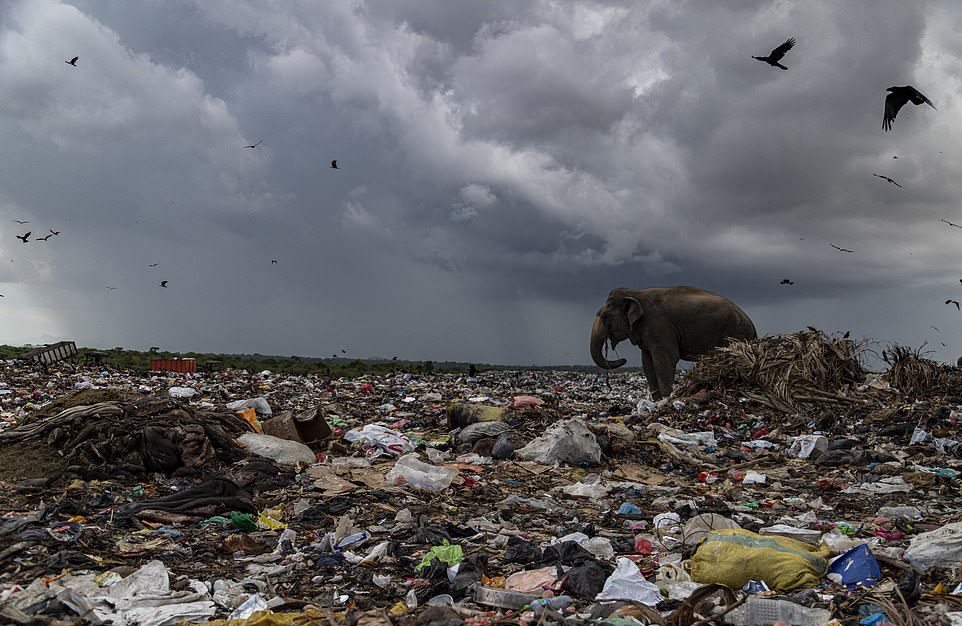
(633, 310)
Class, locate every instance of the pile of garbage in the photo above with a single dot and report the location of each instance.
(785, 372)
(520, 497)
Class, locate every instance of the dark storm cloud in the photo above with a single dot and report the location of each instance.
(503, 165)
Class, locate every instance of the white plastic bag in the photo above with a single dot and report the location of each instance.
(181, 393)
(260, 406)
(280, 450)
(412, 471)
(627, 583)
(939, 547)
(569, 441)
(380, 440)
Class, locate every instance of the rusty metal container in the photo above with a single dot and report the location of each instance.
(181, 366)
(306, 427)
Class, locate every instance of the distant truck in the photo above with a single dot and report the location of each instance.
(51, 353)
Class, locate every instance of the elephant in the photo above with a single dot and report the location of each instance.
(668, 324)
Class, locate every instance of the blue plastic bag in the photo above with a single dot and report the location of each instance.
(857, 568)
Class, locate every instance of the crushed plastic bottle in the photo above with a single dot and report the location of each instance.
(758, 611)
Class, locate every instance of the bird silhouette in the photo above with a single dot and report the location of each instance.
(54, 232)
(776, 55)
(273, 261)
(955, 302)
(22, 222)
(951, 224)
(44, 238)
(343, 351)
(24, 237)
(786, 281)
(334, 165)
(888, 179)
(935, 329)
(163, 284)
(72, 61)
(153, 265)
(897, 98)
(112, 288)
(255, 145)
(840, 249)
(895, 156)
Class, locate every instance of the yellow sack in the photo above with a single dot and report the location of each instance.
(734, 557)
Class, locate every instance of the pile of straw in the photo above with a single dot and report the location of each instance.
(784, 372)
(911, 373)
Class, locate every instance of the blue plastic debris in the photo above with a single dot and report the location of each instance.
(627, 508)
(856, 568)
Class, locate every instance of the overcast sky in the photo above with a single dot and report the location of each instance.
(503, 166)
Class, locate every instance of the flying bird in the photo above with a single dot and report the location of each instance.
(955, 302)
(44, 238)
(786, 281)
(255, 145)
(840, 249)
(153, 265)
(72, 61)
(777, 54)
(163, 284)
(935, 329)
(24, 237)
(951, 224)
(897, 98)
(112, 288)
(273, 261)
(22, 222)
(343, 351)
(888, 179)
(54, 232)
(334, 165)
(895, 156)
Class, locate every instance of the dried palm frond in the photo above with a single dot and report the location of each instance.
(783, 371)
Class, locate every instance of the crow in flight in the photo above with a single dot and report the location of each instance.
(255, 145)
(72, 61)
(888, 179)
(24, 237)
(343, 351)
(163, 284)
(22, 222)
(153, 265)
(44, 238)
(840, 249)
(777, 54)
(112, 288)
(897, 98)
(54, 232)
(936, 329)
(955, 302)
(785, 281)
(334, 165)
(951, 224)
(273, 261)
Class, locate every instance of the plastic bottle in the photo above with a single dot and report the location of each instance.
(559, 603)
(757, 611)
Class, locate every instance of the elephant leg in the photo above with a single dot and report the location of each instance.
(649, 367)
(665, 361)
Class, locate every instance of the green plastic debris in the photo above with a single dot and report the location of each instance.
(217, 519)
(243, 521)
(448, 553)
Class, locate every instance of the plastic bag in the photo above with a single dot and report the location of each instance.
(734, 557)
(569, 441)
(182, 393)
(940, 547)
(627, 583)
(447, 553)
(412, 471)
(856, 568)
(260, 406)
(280, 450)
(380, 440)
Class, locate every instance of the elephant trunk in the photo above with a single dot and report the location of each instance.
(598, 338)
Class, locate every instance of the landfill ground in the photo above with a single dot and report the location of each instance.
(526, 497)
